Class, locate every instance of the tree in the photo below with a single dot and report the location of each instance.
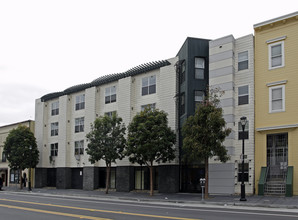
(106, 142)
(21, 150)
(150, 140)
(204, 133)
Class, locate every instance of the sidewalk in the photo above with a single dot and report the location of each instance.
(186, 198)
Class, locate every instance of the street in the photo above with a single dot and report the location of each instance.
(25, 206)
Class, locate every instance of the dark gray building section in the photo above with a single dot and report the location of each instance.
(63, 178)
(187, 85)
(192, 48)
(40, 177)
(168, 181)
(125, 178)
(90, 178)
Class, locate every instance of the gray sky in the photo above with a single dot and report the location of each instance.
(48, 46)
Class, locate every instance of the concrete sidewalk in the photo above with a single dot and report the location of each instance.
(186, 198)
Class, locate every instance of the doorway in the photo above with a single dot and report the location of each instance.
(277, 156)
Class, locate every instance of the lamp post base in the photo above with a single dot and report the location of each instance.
(242, 192)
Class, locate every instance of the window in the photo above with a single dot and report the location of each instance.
(199, 97)
(183, 67)
(246, 177)
(79, 125)
(54, 129)
(110, 94)
(242, 134)
(243, 60)
(80, 102)
(149, 85)
(276, 55)
(151, 106)
(54, 150)
(55, 108)
(3, 157)
(79, 147)
(110, 114)
(243, 95)
(14, 176)
(199, 68)
(182, 104)
(277, 99)
(139, 178)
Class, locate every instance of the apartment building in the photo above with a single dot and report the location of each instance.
(11, 177)
(276, 118)
(63, 119)
(231, 69)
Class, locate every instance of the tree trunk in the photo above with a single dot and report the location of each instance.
(151, 179)
(108, 171)
(206, 177)
(20, 178)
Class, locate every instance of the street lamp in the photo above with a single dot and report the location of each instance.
(243, 121)
(29, 182)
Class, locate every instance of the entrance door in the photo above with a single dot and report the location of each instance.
(77, 178)
(277, 156)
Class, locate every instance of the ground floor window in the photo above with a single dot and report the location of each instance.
(190, 177)
(102, 178)
(142, 178)
(14, 176)
(139, 178)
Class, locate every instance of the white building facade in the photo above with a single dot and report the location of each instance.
(63, 119)
(231, 68)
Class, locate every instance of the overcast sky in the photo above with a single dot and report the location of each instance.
(48, 46)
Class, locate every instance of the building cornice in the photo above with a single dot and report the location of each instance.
(284, 17)
(277, 127)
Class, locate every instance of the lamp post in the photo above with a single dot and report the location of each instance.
(29, 182)
(243, 121)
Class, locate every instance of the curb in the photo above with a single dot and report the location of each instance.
(158, 200)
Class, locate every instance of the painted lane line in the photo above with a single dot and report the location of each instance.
(198, 209)
(98, 210)
(54, 213)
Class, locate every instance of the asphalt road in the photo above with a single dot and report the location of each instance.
(16, 206)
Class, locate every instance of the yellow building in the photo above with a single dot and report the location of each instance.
(11, 177)
(276, 106)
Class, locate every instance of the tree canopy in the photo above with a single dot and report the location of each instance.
(20, 148)
(204, 133)
(106, 141)
(150, 140)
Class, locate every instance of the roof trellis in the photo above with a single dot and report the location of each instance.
(108, 78)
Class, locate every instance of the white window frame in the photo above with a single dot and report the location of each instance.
(240, 130)
(242, 95)
(245, 60)
(55, 129)
(79, 147)
(148, 85)
(283, 99)
(198, 67)
(54, 150)
(55, 108)
(110, 92)
(80, 102)
(282, 54)
(79, 124)
(110, 114)
(196, 96)
(151, 106)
